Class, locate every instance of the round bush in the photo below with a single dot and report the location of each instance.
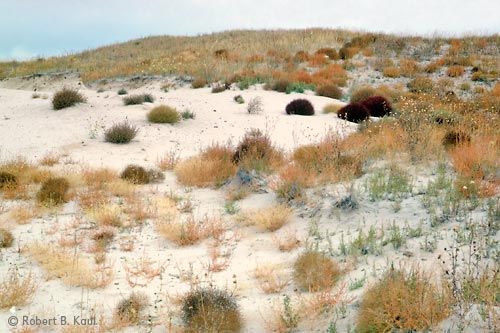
(53, 191)
(7, 180)
(211, 310)
(354, 112)
(361, 94)
(164, 114)
(135, 174)
(66, 98)
(129, 309)
(329, 90)
(6, 238)
(280, 85)
(120, 133)
(378, 106)
(329, 52)
(313, 271)
(301, 107)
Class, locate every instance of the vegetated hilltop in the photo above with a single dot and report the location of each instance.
(264, 54)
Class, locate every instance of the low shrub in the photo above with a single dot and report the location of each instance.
(391, 71)
(299, 87)
(301, 107)
(53, 191)
(402, 302)
(218, 88)
(256, 152)
(332, 108)
(280, 85)
(313, 271)
(331, 53)
(362, 93)
(443, 117)
(354, 112)
(213, 166)
(421, 84)
(66, 98)
(301, 56)
(455, 71)
(135, 174)
(138, 99)
(221, 54)
(198, 83)
(122, 91)
(7, 180)
(272, 218)
(239, 99)
(6, 238)
(188, 114)
(255, 105)
(378, 106)
(211, 310)
(329, 90)
(453, 138)
(129, 310)
(163, 114)
(121, 133)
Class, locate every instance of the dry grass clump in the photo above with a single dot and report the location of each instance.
(138, 99)
(54, 191)
(121, 133)
(164, 114)
(421, 84)
(403, 301)
(329, 90)
(107, 215)
(408, 67)
(99, 177)
(128, 311)
(6, 238)
(362, 93)
(455, 71)
(135, 174)
(212, 167)
(66, 98)
(453, 138)
(211, 310)
(198, 83)
(183, 232)
(50, 159)
(391, 71)
(23, 214)
(256, 152)
(7, 180)
(16, 290)
(313, 271)
(332, 108)
(331, 53)
(272, 278)
(270, 219)
(71, 268)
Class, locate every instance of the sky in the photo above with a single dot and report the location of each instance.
(41, 28)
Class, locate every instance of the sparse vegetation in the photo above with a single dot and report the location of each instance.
(255, 105)
(17, 290)
(270, 219)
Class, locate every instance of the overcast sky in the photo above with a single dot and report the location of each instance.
(30, 28)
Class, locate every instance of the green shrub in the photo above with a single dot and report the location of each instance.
(66, 98)
(164, 114)
(121, 133)
(135, 174)
(211, 310)
(239, 99)
(122, 91)
(138, 99)
(299, 87)
(53, 191)
(188, 114)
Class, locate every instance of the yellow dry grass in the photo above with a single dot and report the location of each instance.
(269, 219)
(68, 266)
